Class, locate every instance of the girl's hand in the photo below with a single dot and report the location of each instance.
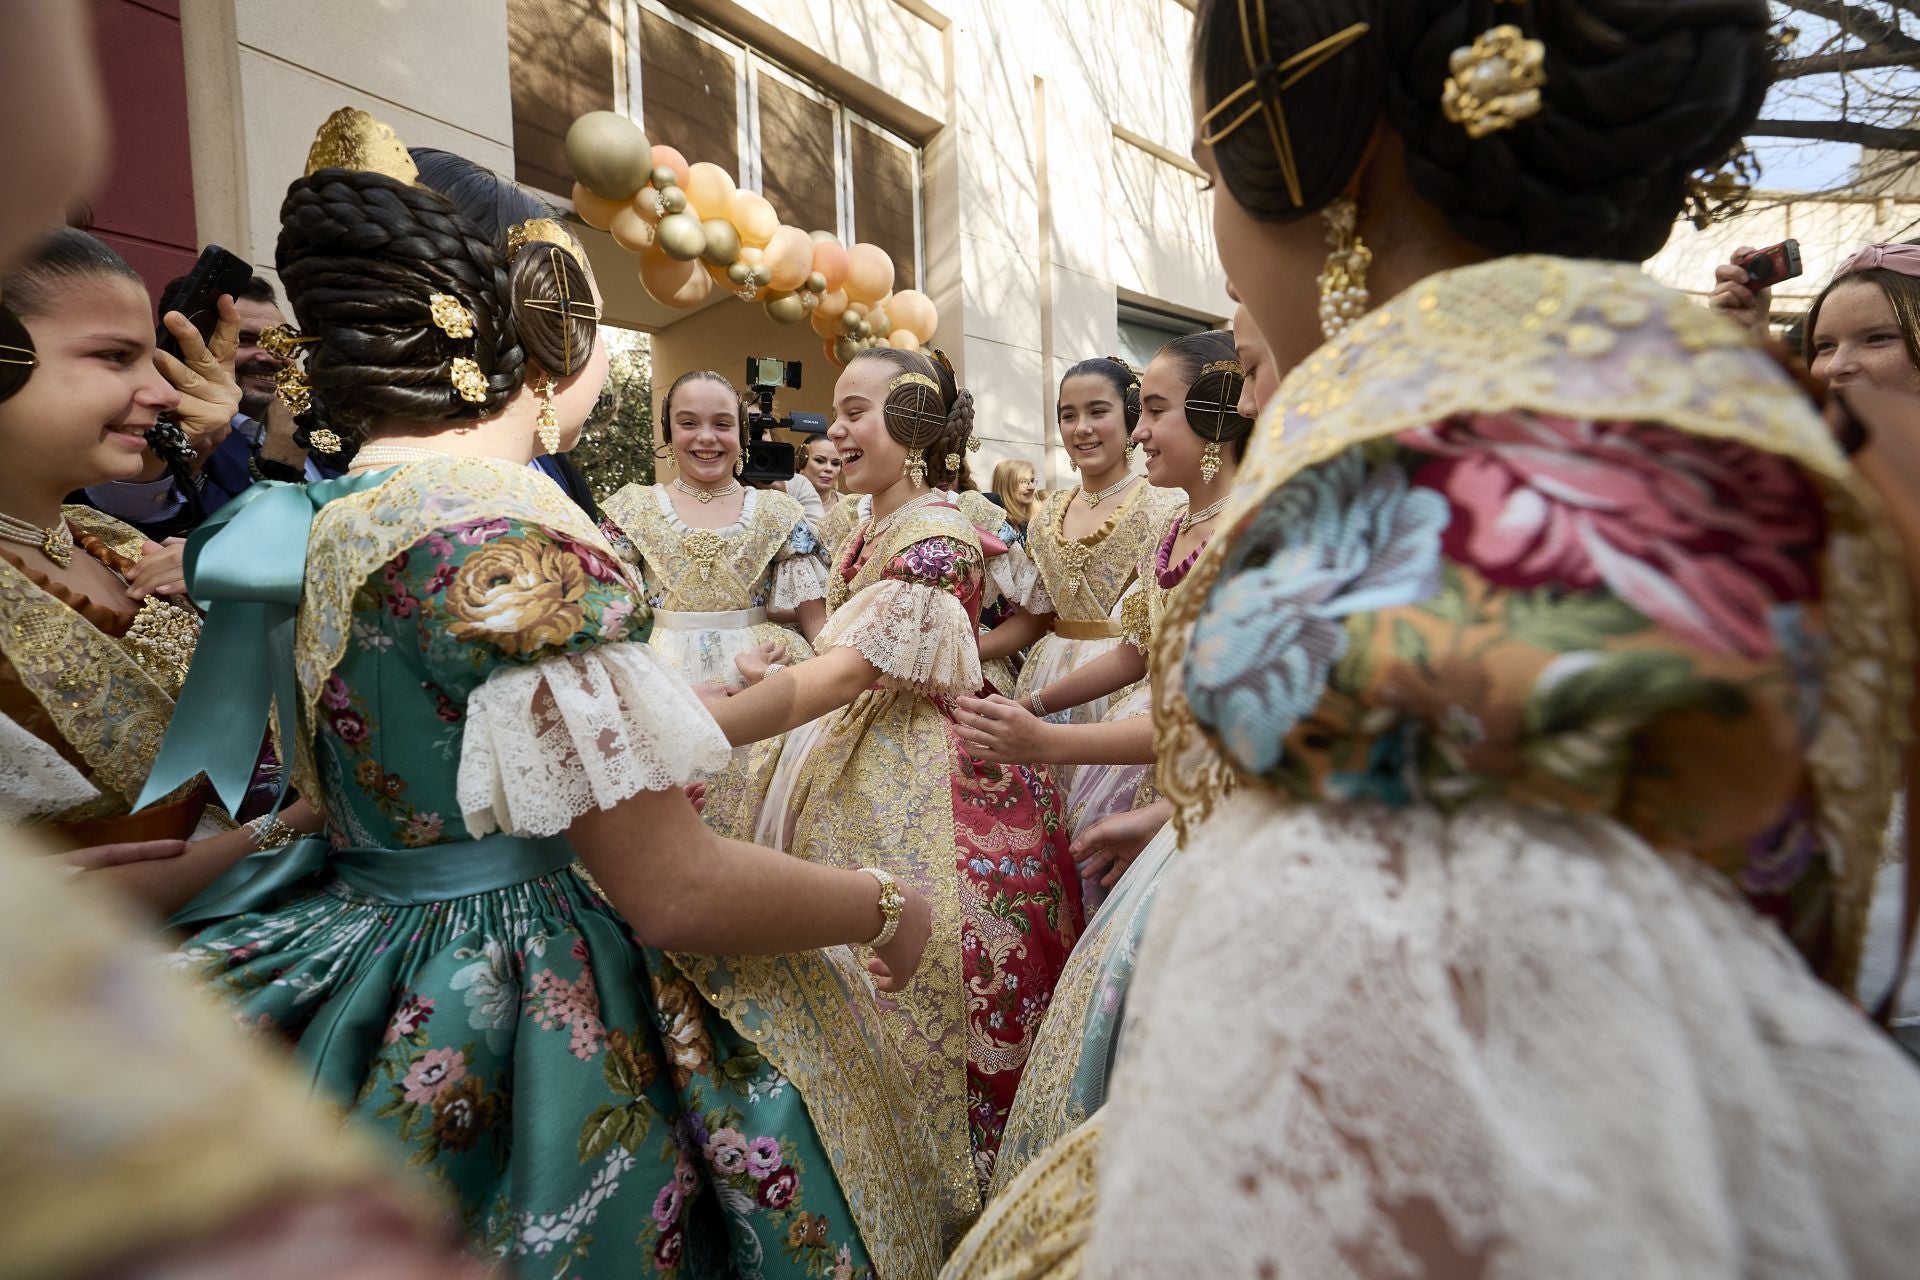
(1107, 848)
(1735, 296)
(160, 571)
(754, 662)
(894, 965)
(119, 855)
(1000, 730)
(697, 796)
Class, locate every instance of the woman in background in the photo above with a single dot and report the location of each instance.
(1013, 485)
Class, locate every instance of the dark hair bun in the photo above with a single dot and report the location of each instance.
(1638, 95)
(361, 255)
(555, 333)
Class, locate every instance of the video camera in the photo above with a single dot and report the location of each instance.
(772, 460)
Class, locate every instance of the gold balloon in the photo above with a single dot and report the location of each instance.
(710, 189)
(739, 273)
(594, 211)
(844, 350)
(681, 237)
(671, 283)
(723, 242)
(673, 200)
(816, 283)
(785, 308)
(632, 232)
(850, 322)
(826, 314)
(755, 218)
(870, 274)
(609, 155)
(789, 258)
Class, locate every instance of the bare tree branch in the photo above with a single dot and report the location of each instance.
(1860, 20)
(1876, 136)
(1869, 59)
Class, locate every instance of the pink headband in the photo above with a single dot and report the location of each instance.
(1903, 258)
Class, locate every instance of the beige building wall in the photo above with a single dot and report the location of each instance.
(1055, 136)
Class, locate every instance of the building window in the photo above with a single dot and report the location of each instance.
(886, 197)
(1143, 331)
(797, 141)
(560, 60)
(691, 92)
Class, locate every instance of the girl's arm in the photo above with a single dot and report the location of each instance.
(165, 885)
(1003, 731)
(1014, 634)
(1107, 674)
(791, 696)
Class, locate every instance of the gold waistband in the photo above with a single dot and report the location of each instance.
(1075, 629)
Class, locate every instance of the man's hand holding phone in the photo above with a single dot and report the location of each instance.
(203, 375)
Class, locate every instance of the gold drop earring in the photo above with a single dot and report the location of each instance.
(549, 424)
(1343, 281)
(1210, 462)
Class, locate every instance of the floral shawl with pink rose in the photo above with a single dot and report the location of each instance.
(1543, 531)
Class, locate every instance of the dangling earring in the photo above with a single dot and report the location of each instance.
(1343, 281)
(1210, 462)
(915, 468)
(739, 466)
(1132, 444)
(549, 424)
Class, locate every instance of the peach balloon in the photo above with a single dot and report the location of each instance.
(870, 277)
(903, 339)
(672, 283)
(826, 316)
(831, 261)
(668, 157)
(754, 217)
(914, 310)
(709, 190)
(833, 357)
(594, 211)
(790, 256)
(632, 232)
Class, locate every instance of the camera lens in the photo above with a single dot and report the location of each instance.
(1759, 269)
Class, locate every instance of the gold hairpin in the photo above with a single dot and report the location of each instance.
(1262, 68)
(352, 139)
(21, 355)
(520, 234)
(283, 341)
(324, 441)
(1495, 81)
(450, 315)
(465, 375)
(567, 307)
(291, 386)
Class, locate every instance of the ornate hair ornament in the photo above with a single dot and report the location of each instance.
(569, 308)
(450, 315)
(1267, 80)
(918, 398)
(1217, 409)
(521, 234)
(352, 139)
(1495, 81)
(1718, 194)
(290, 383)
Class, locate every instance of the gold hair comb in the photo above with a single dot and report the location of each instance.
(520, 234)
(352, 139)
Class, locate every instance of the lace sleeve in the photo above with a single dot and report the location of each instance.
(919, 636)
(1017, 579)
(545, 743)
(35, 782)
(799, 570)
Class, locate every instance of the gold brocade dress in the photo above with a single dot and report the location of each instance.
(1531, 726)
(86, 692)
(710, 590)
(888, 783)
(1080, 581)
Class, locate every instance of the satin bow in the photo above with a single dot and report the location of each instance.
(245, 568)
(1903, 258)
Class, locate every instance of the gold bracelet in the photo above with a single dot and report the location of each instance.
(892, 903)
(270, 833)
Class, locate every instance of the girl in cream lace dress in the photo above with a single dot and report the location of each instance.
(1531, 721)
(888, 780)
(715, 556)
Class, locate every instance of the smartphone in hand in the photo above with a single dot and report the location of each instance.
(197, 295)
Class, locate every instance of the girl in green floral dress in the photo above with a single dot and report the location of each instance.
(471, 702)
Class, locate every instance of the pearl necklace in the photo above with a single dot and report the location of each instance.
(1095, 499)
(392, 455)
(705, 495)
(56, 544)
(1203, 515)
(882, 525)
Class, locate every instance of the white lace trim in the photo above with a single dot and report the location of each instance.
(796, 580)
(35, 781)
(1388, 1042)
(548, 742)
(919, 636)
(1017, 578)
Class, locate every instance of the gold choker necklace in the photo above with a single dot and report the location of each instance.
(704, 496)
(1203, 515)
(1095, 499)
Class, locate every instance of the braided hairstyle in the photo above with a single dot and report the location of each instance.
(1639, 94)
(361, 255)
(1207, 364)
(937, 423)
(1117, 373)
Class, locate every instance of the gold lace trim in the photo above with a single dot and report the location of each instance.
(822, 1030)
(1592, 341)
(1086, 576)
(704, 570)
(100, 697)
(1039, 1228)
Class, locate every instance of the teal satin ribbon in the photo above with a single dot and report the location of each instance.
(403, 877)
(245, 567)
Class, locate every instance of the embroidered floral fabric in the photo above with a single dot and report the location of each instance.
(591, 1112)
